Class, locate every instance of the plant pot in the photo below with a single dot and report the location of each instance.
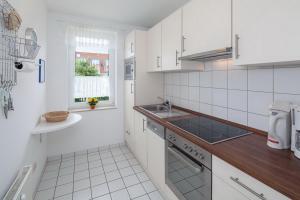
(92, 107)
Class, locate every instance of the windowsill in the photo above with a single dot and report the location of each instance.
(74, 110)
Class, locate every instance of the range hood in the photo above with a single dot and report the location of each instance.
(209, 55)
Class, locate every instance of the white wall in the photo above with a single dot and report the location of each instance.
(238, 93)
(17, 146)
(100, 127)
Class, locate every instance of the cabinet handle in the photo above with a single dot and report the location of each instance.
(237, 54)
(182, 41)
(144, 125)
(237, 181)
(177, 63)
(131, 47)
(128, 133)
(157, 61)
(131, 88)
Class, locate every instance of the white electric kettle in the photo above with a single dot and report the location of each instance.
(279, 135)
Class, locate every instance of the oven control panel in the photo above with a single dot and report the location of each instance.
(190, 148)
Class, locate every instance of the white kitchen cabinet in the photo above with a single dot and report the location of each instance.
(266, 32)
(241, 182)
(221, 191)
(206, 26)
(134, 90)
(130, 45)
(156, 158)
(140, 129)
(171, 41)
(129, 114)
(154, 48)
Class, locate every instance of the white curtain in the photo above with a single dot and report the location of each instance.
(84, 39)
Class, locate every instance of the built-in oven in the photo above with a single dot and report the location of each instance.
(129, 69)
(188, 169)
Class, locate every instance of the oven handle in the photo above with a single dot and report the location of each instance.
(186, 160)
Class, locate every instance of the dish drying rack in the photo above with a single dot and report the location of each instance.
(12, 50)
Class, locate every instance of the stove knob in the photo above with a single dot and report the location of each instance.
(174, 139)
(201, 156)
(185, 146)
(191, 149)
(196, 153)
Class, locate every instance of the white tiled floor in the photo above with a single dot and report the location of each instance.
(105, 173)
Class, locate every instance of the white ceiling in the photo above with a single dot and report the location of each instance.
(144, 13)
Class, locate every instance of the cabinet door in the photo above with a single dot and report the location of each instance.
(171, 41)
(266, 31)
(206, 26)
(156, 158)
(130, 45)
(221, 191)
(154, 48)
(129, 114)
(140, 123)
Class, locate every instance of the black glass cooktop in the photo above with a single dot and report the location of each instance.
(209, 130)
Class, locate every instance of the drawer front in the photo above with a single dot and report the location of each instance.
(247, 185)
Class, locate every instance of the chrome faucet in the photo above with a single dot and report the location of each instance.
(167, 103)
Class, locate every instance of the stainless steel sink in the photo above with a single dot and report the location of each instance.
(163, 111)
(156, 108)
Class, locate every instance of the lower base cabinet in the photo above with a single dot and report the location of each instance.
(222, 191)
(140, 133)
(156, 158)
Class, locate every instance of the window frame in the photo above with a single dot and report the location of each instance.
(111, 103)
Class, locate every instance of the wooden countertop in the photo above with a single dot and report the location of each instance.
(279, 169)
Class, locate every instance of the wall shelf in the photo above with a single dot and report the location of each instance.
(46, 127)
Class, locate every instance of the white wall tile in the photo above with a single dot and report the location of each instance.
(194, 93)
(220, 97)
(220, 64)
(208, 66)
(168, 78)
(237, 79)
(206, 79)
(184, 79)
(220, 112)
(287, 80)
(258, 102)
(237, 99)
(176, 78)
(206, 95)
(185, 103)
(258, 121)
(220, 79)
(176, 91)
(194, 79)
(205, 108)
(293, 98)
(237, 116)
(260, 80)
(195, 106)
(184, 92)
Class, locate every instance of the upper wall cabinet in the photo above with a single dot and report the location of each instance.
(171, 45)
(206, 26)
(154, 48)
(266, 31)
(130, 45)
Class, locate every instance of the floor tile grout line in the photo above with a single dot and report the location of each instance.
(128, 157)
(105, 177)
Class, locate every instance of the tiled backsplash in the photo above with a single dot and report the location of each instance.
(237, 93)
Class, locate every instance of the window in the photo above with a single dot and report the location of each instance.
(92, 62)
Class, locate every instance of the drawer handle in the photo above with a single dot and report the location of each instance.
(237, 181)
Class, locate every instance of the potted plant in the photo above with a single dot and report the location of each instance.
(92, 101)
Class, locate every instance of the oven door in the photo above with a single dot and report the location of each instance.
(187, 178)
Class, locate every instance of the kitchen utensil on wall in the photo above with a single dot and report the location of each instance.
(279, 135)
(13, 20)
